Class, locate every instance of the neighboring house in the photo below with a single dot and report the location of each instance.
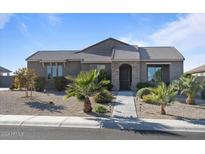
(5, 78)
(4, 71)
(126, 64)
(199, 72)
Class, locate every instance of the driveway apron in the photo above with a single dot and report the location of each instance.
(124, 105)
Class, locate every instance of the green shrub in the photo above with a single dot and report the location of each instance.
(13, 86)
(103, 97)
(60, 83)
(39, 84)
(203, 94)
(80, 97)
(143, 91)
(150, 99)
(100, 109)
(141, 85)
(103, 75)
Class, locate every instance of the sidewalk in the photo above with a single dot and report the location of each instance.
(112, 123)
(124, 105)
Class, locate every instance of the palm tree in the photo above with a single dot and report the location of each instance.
(86, 84)
(164, 94)
(191, 87)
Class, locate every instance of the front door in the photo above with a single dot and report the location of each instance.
(125, 77)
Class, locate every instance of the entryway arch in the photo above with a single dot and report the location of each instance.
(125, 74)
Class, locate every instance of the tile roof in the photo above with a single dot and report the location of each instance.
(107, 50)
(160, 53)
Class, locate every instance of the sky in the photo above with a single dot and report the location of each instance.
(23, 34)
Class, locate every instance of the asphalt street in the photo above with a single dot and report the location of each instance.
(56, 133)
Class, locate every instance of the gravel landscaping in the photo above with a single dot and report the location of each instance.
(178, 110)
(14, 102)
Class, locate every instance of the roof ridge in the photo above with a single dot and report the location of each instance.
(157, 47)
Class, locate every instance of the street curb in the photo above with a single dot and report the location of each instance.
(109, 123)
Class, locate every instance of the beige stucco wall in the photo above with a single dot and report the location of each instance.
(37, 67)
(115, 73)
(72, 68)
(87, 67)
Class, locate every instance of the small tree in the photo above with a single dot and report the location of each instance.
(164, 94)
(86, 84)
(191, 87)
(25, 78)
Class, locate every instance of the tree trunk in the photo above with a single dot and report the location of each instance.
(26, 92)
(190, 100)
(31, 91)
(163, 112)
(87, 105)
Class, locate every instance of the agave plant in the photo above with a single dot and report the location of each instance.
(191, 87)
(86, 84)
(164, 94)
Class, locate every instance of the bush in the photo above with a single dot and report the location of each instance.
(141, 85)
(39, 84)
(103, 75)
(150, 99)
(103, 97)
(80, 97)
(100, 109)
(60, 83)
(13, 85)
(143, 91)
(203, 94)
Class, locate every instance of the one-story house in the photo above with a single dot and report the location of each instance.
(126, 64)
(4, 71)
(198, 71)
(5, 78)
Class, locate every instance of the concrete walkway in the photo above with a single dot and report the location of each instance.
(124, 106)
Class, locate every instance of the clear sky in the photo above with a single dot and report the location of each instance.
(23, 34)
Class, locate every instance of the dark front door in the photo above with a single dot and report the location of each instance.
(125, 77)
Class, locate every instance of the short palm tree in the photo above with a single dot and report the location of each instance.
(191, 86)
(164, 94)
(86, 84)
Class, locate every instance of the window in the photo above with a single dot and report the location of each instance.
(60, 70)
(49, 72)
(100, 67)
(154, 73)
(54, 70)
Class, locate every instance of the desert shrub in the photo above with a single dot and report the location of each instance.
(39, 84)
(203, 94)
(142, 92)
(150, 99)
(60, 83)
(103, 97)
(100, 109)
(141, 85)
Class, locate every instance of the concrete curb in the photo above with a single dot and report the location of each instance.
(48, 121)
(112, 123)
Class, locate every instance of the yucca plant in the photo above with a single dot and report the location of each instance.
(191, 87)
(164, 94)
(86, 84)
